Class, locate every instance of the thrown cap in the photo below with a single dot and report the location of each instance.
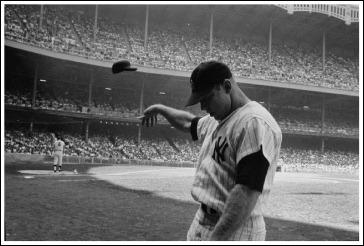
(204, 77)
(123, 65)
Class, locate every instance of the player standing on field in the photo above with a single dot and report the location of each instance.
(58, 146)
(241, 142)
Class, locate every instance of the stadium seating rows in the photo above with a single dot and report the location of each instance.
(100, 145)
(65, 30)
(124, 146)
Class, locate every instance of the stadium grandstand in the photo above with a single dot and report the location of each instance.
(300, 61)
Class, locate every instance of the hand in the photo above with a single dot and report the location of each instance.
(150, 114)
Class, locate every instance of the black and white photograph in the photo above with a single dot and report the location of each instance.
(136, 122)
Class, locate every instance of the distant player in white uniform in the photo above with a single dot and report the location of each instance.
(58, 146)
(241, 143)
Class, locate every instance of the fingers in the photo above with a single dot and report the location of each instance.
(143, 119)
(152, 120)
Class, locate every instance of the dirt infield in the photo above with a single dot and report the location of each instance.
(153, 203)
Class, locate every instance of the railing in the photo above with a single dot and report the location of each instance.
(346, 13)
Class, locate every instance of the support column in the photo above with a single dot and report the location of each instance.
(270, 43)
(31, 125)
(35, 81)
(323, 114)
(211, 28)
(92, 81)
(86, 131)
(347, 14)
(322, 145)
(141, 109)
(95, 26)
(146, 28)
(41, 16)
(323, 50)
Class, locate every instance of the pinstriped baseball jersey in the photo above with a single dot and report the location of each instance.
(58, 145)
(58, 152)
(225, 143)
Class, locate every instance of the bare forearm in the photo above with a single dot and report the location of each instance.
(238, 208)
(179, 119)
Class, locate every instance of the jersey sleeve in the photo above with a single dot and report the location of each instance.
(253, 136)
(193, 128)
(252, 170)
(203, 126)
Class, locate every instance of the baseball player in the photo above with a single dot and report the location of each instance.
(58, 146)
(241, 143)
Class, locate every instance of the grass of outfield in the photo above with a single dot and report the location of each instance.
(150, 203)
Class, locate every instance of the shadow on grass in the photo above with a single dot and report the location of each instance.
(285, 230)
(44, 209)
(320, 193)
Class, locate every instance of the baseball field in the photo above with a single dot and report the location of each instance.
(153, 203)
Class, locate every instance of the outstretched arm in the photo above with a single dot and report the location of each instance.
(179, 119)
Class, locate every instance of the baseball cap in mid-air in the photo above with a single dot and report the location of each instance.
(204, 77)
(123, 65)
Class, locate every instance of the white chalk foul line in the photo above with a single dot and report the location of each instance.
(70, 173)
(75, 180)
(143, 171)
(351, 180)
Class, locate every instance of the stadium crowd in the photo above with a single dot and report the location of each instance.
(65, 30)
(306, 160)
(124, 145)
(176, 149)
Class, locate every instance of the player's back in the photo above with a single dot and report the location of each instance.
(58, 145)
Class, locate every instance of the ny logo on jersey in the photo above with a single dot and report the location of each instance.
(219, 150)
